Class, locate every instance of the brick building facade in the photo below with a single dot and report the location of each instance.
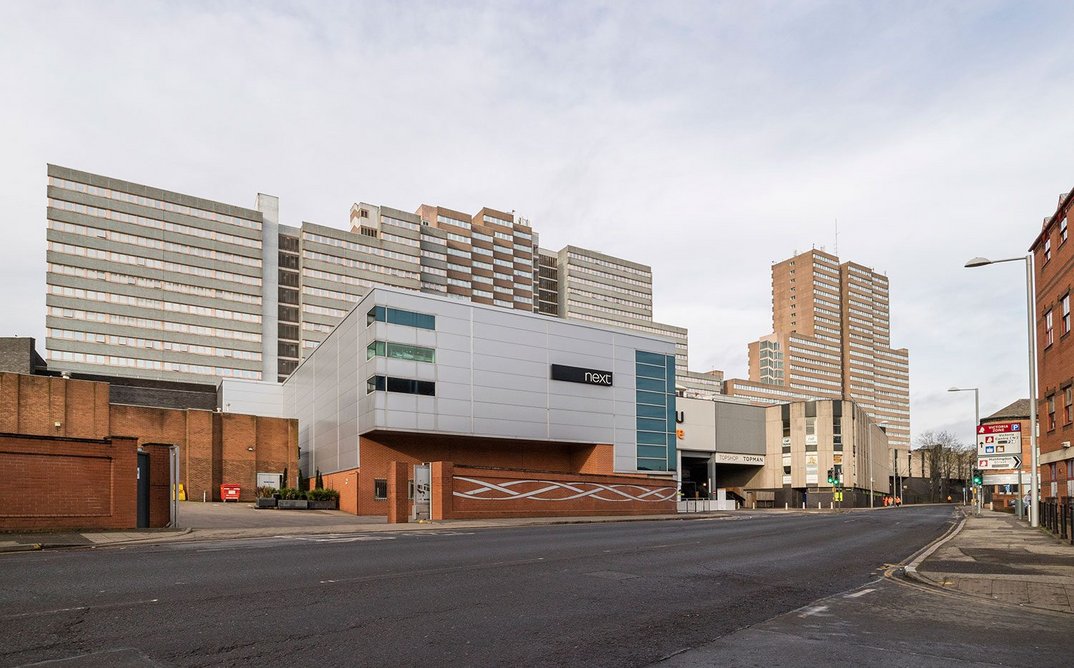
(59, 434)
(1053, 257)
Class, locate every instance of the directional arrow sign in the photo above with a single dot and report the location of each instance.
(999, 462)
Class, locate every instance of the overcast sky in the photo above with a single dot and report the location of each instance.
(707, 140)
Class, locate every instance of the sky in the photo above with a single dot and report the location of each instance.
(707, 140)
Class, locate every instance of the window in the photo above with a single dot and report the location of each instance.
(400, 317)
(380, 489)
(1049, 333)
(1068, 404)
(1047, 250)
(1066, 313)
(1062, 230)
(1051, 412)
(400, 385)
(400, 351)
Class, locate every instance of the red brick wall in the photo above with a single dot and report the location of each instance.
(34, 405)
(1055, 362)
(463, 492)
(346, 483)
(378, 449)
(214, 448)
(54, 483)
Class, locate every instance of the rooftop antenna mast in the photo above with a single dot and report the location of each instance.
(836, 236)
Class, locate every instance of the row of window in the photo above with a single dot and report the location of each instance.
(1068, 407)
(154, 223)
(151, 263)
(152, 344)
(400, 351)
(401, 385)
(112, 298)
(127, 279)
(148, 323)
(359, 264)
(155, 244)
(400, 317)
(153, 365)
(1064, 314)
(108, 193)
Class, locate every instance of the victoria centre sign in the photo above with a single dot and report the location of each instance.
(574, 374)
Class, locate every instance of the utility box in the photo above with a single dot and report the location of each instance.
(229, 492)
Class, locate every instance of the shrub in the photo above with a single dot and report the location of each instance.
(265, 492)
(323, 494)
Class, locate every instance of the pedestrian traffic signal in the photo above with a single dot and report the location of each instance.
(978, 477)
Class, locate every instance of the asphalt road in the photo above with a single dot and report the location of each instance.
(620, 594)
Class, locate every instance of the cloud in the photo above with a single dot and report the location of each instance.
(705, 139)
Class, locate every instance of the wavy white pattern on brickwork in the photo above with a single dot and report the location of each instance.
(490, 491)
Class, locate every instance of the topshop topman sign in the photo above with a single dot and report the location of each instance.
(574, 374)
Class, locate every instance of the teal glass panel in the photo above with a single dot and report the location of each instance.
(647, 424)
(671, 414)
(671, 374)
(645, 464)
(651, 398)
(672, 457)
(425, 321)
(648, 358)
(650, 384)
(647, 371)
(652, 438)
(651, 411)
(403, 351)
(652, 452)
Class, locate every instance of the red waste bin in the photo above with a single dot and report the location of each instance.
(229, 492)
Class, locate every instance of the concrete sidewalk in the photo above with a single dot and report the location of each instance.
(997, 557)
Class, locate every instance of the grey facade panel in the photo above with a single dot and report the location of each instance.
(740, 429)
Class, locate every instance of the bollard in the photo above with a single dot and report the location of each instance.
(803, 505)
(786, 506)
(203, 496)
(831, 505)
(818, 505)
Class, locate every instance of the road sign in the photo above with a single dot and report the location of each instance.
(1000, 462)
(999, 444)
(999, 428)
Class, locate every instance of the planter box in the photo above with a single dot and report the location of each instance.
(265, 503)
(292, 504)
(327, 504)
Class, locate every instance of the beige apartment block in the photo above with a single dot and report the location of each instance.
(831, 339)
(152, 283)
(804, 439)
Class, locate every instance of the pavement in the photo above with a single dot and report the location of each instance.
(997, 557)
(992, 556)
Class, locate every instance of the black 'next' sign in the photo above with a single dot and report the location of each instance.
(574, 374)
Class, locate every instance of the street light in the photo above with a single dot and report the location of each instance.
(1034, 490)
(976, 423)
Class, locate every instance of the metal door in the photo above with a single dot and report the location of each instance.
(422, 492)
(143, 490)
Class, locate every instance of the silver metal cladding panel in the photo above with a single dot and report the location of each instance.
(740, 428)
(492, 375)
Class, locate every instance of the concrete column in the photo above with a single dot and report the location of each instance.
(269, 207)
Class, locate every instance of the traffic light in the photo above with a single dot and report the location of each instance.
(831, 476)
(837, 474)
(978, 477)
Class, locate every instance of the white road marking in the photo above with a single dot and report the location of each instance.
(815, 610)
(856, 594)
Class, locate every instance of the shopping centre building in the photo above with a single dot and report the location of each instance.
(412, 378)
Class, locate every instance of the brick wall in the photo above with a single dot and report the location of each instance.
(67, 483)
(215, 448)
(466, 492)
(50, 406)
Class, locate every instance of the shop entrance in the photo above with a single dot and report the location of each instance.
(695, 477)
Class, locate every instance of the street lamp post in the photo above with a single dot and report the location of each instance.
(976, 423)
(1034, 484)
